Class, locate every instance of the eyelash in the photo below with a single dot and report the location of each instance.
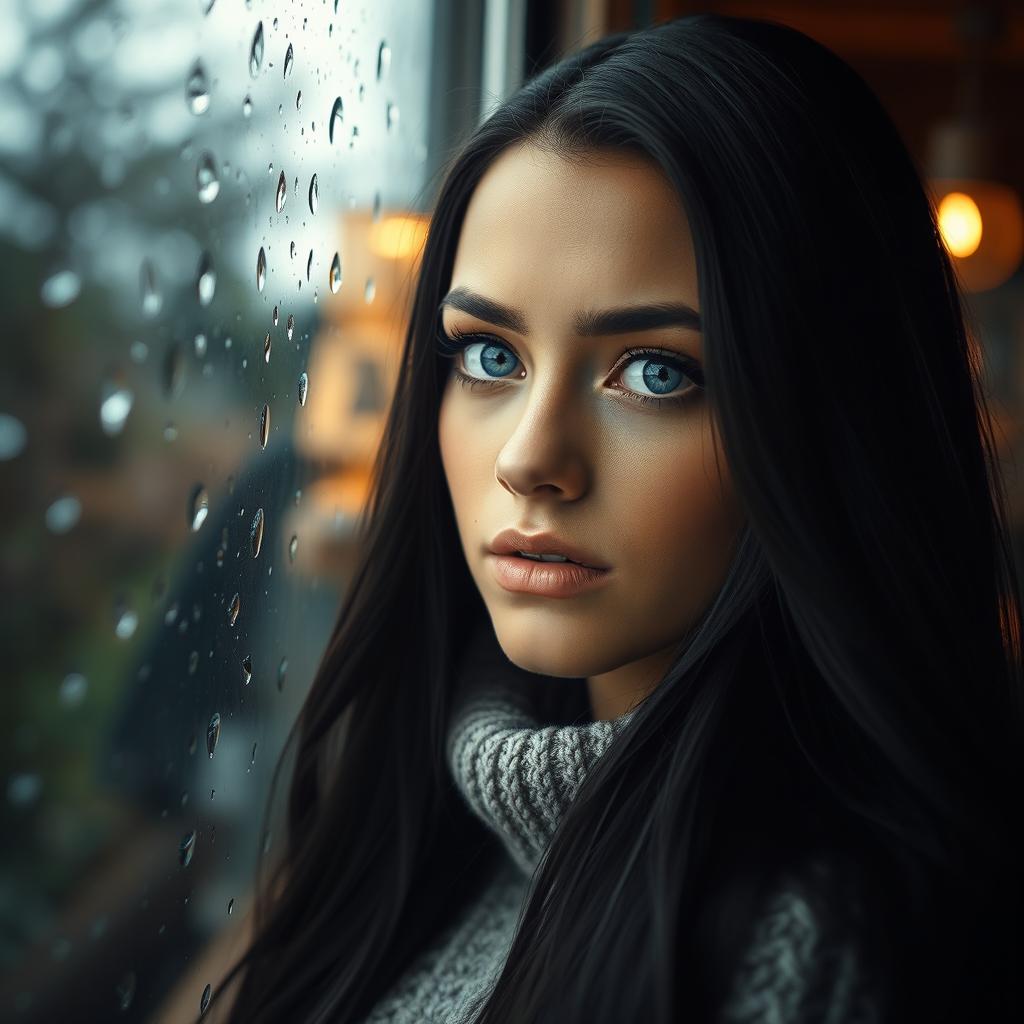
(450, 347)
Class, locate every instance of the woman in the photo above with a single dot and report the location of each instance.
(684, 308)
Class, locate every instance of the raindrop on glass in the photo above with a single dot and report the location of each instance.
(256, 51)
(266, 348)
(62, 515)
(282, 670)
(252, 759)
(265, 426)
(309, 266)
(247, 107)
(291, 325)
(282, 193)
(247, 669)
(72, 689)
(60, 288)
(289, 60)
(186, 848)
(392, 112)
(291, 250)
(293, 546)
(275, 316)
(213, 733)
(314, 195)
(126, 990)
(337, 116)
(198, 507)
(193, 663)
(369, 290)
(231, 904)
(13, 436)
(207, 182)
(199, 343)
(126, 623)
(151, 298)
(261, 269)
(204, 1001)
(197, 89)
(335, 276)
(256, 533)
(173, 370)
(383, 60)
(303, 387)
(233, 610)
(114, 408)
(298, 100)
(206, 280)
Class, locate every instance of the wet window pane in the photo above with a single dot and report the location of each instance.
(209, 214)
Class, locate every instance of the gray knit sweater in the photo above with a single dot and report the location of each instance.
(518, 776)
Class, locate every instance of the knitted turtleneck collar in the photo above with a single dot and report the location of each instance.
(517, 774)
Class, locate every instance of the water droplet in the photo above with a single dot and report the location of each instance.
(13, 436)
(383, 59)
(289, 60)
(126, 990)
(115, 405)
(126, 623)
(173, 370)
(197, 89)
(293, 546)
(314, 195)
(291, 250)
(309, 266)
(247, 107)
(392, 115)
(369, 290)
(151, 297)
(184, 798)
(231, 904)
(207, 5)
(303, 387)
(282, 670)
(261, 269)
(206, 280)
(233, 610)
(72, 689)
(23, 788)
(193, 662)
(213, 733)
(266, 348)
(335, 277)
(265, 425)
(282, 193)
(291, 325)
(60, 288)
(337, 116)
(275, 316)
(256, 51)
(247, 669)
(207, 182)
(186, 848)
(62, 515)
(252, 759)
(376, 206)
(199, 342)
(198, 507)
(204, 1001)
(256, 533)
(298, 100)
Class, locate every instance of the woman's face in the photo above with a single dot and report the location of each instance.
(561, 441)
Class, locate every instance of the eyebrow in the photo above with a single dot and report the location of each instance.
(588, 323)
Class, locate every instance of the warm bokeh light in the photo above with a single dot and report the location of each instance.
(398, 237)
(960, 223)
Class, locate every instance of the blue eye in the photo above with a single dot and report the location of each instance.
(660, 372)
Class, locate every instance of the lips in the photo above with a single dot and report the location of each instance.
(511, 542)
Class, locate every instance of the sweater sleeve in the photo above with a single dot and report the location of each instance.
(797, 968)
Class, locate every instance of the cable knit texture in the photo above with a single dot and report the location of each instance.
(518, 776)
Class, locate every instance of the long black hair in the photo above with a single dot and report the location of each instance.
(854, 687)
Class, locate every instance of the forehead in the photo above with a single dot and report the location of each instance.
(612, 227)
